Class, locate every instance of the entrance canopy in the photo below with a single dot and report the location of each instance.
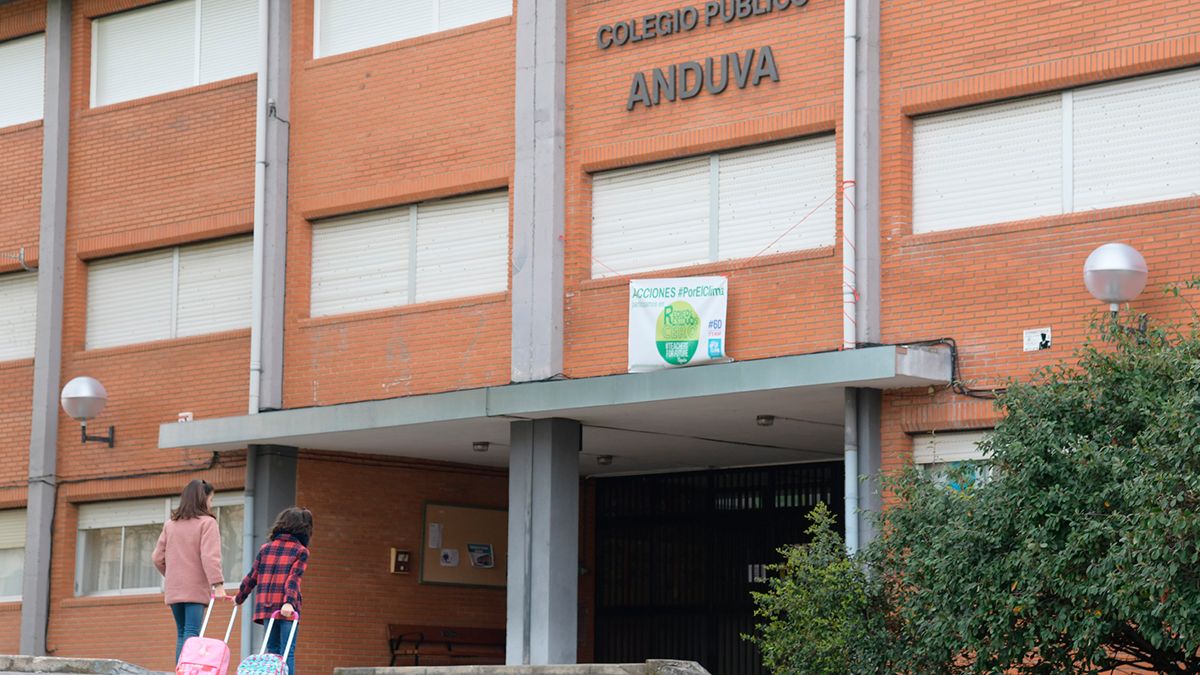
(687, 418)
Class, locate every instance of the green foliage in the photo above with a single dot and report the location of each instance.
(1082, 553)
(819, 608)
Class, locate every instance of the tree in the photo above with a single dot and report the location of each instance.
(1080, 554)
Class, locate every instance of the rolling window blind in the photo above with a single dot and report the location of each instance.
(347, 25)
(1137, 140)
(360, 262)
(125, 513)
(176, 292)
(12, 528)
(23, 72)
(988, 165)
(734, 204)
(214, 287)
(650, 217)
(462, 247)
(947, 447)
(18, 321)
(766, 191)
(435, 250)
(171, 45)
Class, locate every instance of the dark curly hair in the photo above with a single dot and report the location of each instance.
(296, 521)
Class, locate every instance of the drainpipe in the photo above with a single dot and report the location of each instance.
(256, 299)
(849, 265)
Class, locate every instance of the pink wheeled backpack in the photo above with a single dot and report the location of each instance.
(263, 663)
(206, 656)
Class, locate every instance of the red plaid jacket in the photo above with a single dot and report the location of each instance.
(277, 570)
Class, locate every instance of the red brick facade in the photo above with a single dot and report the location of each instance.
(434, 117)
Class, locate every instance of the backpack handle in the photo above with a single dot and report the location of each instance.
(267, 633)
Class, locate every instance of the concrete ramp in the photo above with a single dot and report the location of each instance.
(647, 668)
(24, 665)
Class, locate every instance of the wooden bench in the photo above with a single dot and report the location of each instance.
(444, 642)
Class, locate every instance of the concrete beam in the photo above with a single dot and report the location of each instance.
(47, 369)
(543, 542)
(539, 181)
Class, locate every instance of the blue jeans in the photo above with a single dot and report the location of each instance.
(278, 639)
(188, 618)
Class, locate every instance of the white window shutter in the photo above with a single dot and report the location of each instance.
(462, 246)
(129, 512)
(765, 191)
(360, 262)
(23, 74)
(455, 13)
(347, 25)
(1137, 140)
(214, 287)
(947, 447)
(12, 528)
(650, 217)
(130, 299)
(144, 51)
(18, 319)
(228, 38)
(988, 165)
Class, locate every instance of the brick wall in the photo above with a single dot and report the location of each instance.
(419, 119)
(781, 304)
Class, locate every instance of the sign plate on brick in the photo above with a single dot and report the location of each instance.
(1037, 339)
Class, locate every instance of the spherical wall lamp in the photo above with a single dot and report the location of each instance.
(83, 398)
(1115, 273)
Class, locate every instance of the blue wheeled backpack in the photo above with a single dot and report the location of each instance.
(263, 663)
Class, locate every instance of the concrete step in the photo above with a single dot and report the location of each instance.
(24, 665)
(647, 668)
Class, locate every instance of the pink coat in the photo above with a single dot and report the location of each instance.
(188, 554)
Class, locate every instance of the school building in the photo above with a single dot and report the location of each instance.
(558, 314)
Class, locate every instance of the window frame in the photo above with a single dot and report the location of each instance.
(23, 515)
(931, 464)
(220, 499)
(317, 20)
(39, 35)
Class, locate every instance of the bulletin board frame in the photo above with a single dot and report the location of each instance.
(464, 528)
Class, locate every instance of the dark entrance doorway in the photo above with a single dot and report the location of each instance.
(678, 554)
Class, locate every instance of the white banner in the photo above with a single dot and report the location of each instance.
(676, 322)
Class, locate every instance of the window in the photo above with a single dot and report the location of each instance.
(766, 199)
(1095, 147)
(116, 540)
(938, 453)
(429, 251)
(168, 293)
(171, 45)
(12, 553)
(347, 25)
(23, 72)
(18, 321)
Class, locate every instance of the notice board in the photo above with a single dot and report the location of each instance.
(465, 545)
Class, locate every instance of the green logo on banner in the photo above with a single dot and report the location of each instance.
(677, 333)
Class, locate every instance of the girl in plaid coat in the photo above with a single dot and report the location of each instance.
(277, 571)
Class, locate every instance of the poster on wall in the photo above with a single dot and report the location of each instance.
(676, 322)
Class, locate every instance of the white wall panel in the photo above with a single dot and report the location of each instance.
(360, 262)
(143, 52)
(122, 513)
(650, 217)
(1137, 140)
(18, 315)
(348, 25)
(947, 446)
(988, 165)
(130, 299)
(23, 76)
(228, 38)
(214, 287)
(765, 190)
(462, 246)
(12, 528)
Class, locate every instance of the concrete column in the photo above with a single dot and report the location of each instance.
(275, 220)
(270, 488)
(867, 191)
(543, 542)
(870, 500)
(539, 181)
(47, 369)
